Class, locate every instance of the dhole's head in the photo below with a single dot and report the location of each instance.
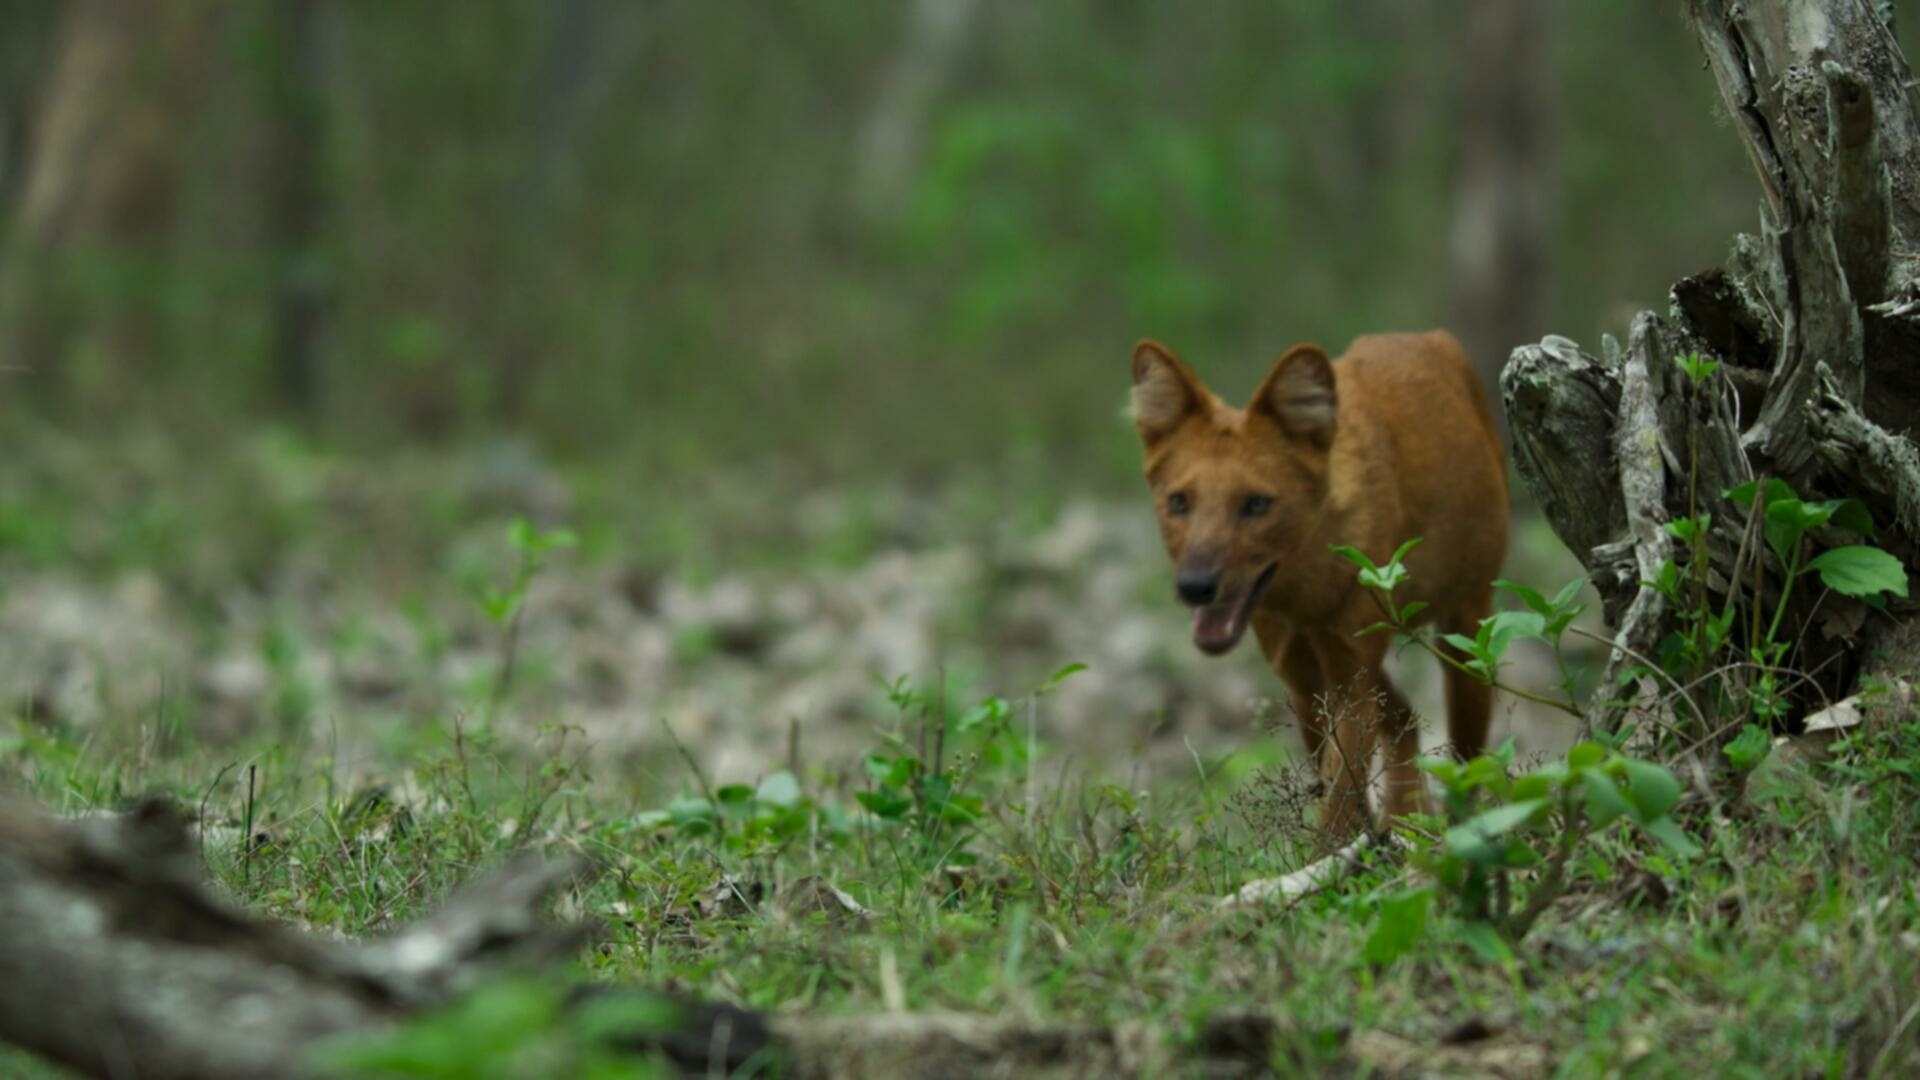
(1237, 490)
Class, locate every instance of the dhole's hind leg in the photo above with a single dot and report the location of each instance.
(1469, 701)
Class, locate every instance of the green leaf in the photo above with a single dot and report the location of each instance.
(1567, 592)
(1400, 552)
(1528, 595)
(1853, 516)
(1749, 748)
(1403, 919)
(1859, 570)
(779, 789)
(1585, 755)
(1686, 529)
(1653, 789)
(1416, 607)
(1532, 786)
(1476, 840)
(1675, 838)
(1354, 555)
(1064, 673)
(1503, 628)
(884, 803)
(1486, 943)
(1604, 801)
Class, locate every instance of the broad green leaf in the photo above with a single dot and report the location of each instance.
(1400, 552)
(1532, 786)
(1486, 943)
(1477, 840)
(1652, 789)
(779, 789)
(1503, 628)
(1859, 570)
(1668, 832)
(1604, 801)
(1585, 755)
(1403, 919)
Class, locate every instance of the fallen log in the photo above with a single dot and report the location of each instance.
(117, 960)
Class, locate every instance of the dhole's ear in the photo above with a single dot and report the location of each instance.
(1299, 394)
(1164, 391)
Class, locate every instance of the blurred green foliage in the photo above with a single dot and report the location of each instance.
(631, 230)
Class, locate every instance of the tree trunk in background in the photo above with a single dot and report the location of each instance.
(1816, 323)
(1501, 270)
(299, 196)
(99, 187)
(588, 47)
(889, 151)
(24, 32)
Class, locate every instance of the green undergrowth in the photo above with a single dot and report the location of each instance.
(960, 865)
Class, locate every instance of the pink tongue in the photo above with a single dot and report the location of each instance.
(1216, 626)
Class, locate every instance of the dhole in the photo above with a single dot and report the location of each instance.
(1393, 440)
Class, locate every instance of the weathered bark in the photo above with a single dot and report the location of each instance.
(1816, 322)
(117, 961)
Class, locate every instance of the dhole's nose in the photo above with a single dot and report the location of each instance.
(1197, 589)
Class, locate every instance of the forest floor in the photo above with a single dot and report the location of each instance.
(880, 753)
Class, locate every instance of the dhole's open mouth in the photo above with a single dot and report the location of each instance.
(1218, 627)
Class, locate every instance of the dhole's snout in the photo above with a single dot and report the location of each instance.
(1221, 607)
(1197, 587)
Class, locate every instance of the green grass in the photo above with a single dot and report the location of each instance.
(1001, 874)
(1787, 949)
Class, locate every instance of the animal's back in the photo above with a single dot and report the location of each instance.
(1421, 393)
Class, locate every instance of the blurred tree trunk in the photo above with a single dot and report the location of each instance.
(99, 189)
(24, 32)
(299, 196)
(589, 45)
(1502, 180)
(888, 156)
(1815, 323)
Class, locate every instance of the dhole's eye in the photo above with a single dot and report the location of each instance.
(1255, 506)
(1177, 504)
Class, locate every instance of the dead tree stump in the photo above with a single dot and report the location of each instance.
(1816, 324)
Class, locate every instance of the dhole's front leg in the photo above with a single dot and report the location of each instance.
(1351, 721)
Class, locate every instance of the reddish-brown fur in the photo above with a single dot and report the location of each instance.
(1391, 441)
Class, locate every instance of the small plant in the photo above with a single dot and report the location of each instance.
(1695, 650)
(1501, 825)
(503, 606)
(1481, 655)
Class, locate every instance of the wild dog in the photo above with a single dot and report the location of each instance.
(1394, 440)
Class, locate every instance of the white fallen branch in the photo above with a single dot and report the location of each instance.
(1311, 878)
